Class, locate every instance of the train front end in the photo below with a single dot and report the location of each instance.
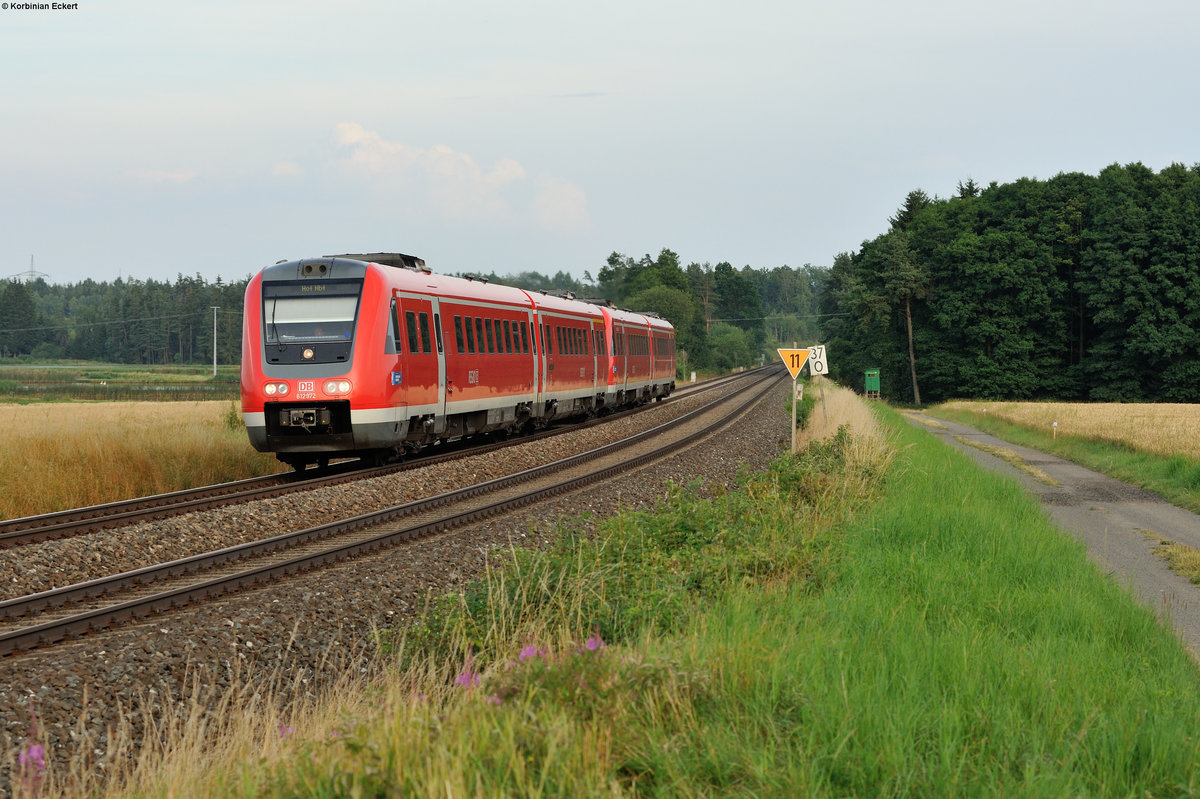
(303, 353)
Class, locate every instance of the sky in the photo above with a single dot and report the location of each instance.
(145, 139)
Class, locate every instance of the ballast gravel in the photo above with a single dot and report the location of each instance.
(306, 630)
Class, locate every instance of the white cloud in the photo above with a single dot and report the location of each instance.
(560, 205)
(287, 169)
(457, 186)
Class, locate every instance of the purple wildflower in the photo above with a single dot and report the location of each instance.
(494, 700)
(594, 642)
(468, 679)
(286, 730)
(529, 652)
(33, 755)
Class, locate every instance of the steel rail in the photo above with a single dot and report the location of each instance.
(22, 639)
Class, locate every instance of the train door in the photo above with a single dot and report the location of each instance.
(593, 337)
(441, 363)
(547, 354)
(424, 373)
(539, 357)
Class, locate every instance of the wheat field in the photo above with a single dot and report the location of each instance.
(71, 454)
(1162, 428)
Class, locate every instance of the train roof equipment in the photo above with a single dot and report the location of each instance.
(395, 259)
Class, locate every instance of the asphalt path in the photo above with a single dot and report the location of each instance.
(1121, 524)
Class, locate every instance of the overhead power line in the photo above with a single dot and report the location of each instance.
(779, 316)
(116, 322)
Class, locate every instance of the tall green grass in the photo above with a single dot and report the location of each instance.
(966, 647)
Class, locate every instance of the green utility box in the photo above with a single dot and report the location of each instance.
(871, 383)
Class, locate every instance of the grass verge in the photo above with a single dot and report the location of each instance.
(805, 635)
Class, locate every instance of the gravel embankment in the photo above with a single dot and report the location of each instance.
(290, 628)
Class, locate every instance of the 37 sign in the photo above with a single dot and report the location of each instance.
(817, 365)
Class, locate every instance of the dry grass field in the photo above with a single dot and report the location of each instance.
(68, 455)
(1162, 428)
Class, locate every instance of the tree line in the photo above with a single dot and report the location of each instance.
(125, 321)
(725, 316)
(1074, 288)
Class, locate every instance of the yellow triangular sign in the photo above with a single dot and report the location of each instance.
(794, 360)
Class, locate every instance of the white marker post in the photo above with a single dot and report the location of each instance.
(794, 360)
(817, 366)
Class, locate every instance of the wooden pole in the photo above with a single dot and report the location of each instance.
(795, 410)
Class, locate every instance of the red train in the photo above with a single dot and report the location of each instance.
(374, 356)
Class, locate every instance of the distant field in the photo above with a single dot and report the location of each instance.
(55, 382)
(1161, 428)
(63, 455)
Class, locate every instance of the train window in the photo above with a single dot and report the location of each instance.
(291, 314)
(582, 336)
(525, 337)
(470, 336)
(458, 335)
(499, 336)
(558, 335)
(425, 345)
(507, 337)
(547, 340)
(411, 319)
(479, 334)
(487, 328)
(394, 324)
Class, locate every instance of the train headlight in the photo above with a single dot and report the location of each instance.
(308, 353)
(337, 386)
(273, 389)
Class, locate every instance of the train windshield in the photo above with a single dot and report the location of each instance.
(310, 311)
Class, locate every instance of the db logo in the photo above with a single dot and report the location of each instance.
(306, 385)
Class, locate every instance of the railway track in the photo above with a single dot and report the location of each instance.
(61, 614)
(80, 521)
